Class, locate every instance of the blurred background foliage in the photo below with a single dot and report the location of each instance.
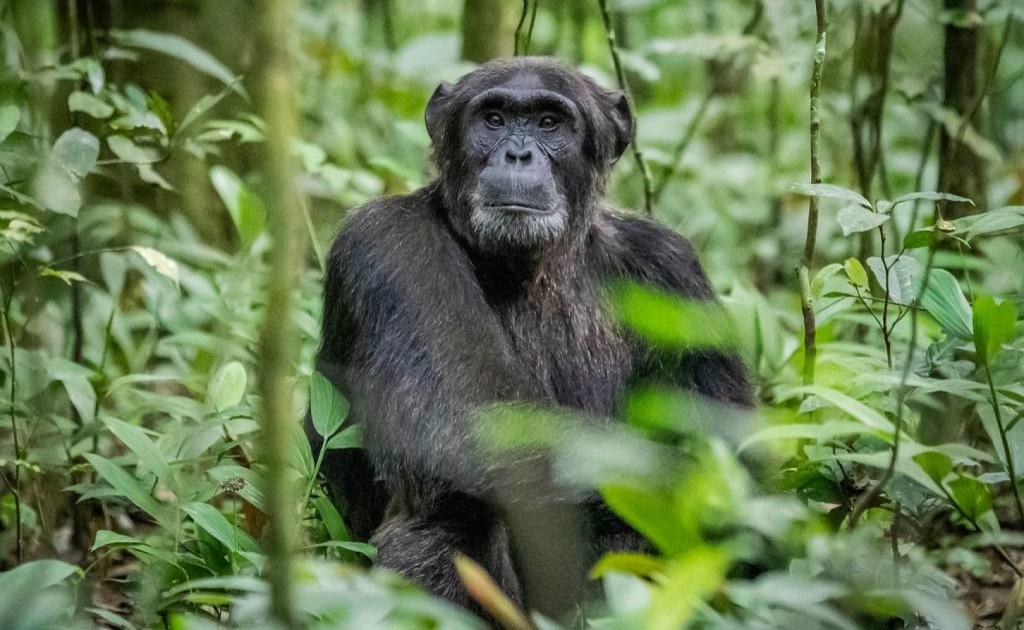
(133, 270)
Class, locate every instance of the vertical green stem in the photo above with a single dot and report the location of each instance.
(277, 335)
(810, 345)
(620, 74)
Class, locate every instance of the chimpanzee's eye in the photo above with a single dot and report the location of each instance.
(547, 123)
(494, 120)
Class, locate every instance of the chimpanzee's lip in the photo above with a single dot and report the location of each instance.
(517, 208)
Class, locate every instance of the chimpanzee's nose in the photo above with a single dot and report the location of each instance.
(520, 156)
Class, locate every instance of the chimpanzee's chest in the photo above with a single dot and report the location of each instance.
(567, 348)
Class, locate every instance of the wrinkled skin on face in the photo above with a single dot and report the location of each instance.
(534, 144)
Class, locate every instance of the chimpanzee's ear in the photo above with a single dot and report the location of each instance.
(622, 121)
(436, 108)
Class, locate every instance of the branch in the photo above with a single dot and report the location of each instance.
(620, 74)
(810, 345)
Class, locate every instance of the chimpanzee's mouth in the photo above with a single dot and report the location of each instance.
(517, 208)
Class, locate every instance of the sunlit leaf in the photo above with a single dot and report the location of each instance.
(944, 300)
(856, 218)
(935, 465)
(327, 407)
(930, 196)
(686, 581)
(150, 457)
(211, 520)
(971, 495)
(10, 115)
(898, 280)
(76, 151)
(36, 575)
(830, 191)
(227, 386)
(855, 272)
(244, 206)
(993, 326)
(131, 489)
(89, 104)
(180, 48)
(158, 261)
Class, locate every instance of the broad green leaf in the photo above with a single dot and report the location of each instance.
(993, 326)
(930, 196)
(935, 465)
(67, 276)
(830, 191)
(124, 148)
(944, 301)
(158, 261)
(131, 489)
(242, 481)
(56, 190)
(210, 519)
(365, 549)
(10, 115)
(1007, 220)
(919, 238)
(640, 564)
(687, 580)
(673, 322)
(89, 104)
(856, 218)
(36, 576)
(203, 105)
(331, 518)
(856, 409)
(180, 48)
(349, 437)
(855, 272)
(826, 272)
(227, 386)
(106, 538)
(652, 513)
(899, 280)
(150, 457)
(327, 407)
(624, 591)
(973, 497)
(76, 151)
(244, 206)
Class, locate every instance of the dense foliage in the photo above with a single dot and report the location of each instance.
(877, 486)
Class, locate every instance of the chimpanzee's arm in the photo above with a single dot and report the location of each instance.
(658, 257)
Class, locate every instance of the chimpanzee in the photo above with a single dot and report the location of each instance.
(488, 285)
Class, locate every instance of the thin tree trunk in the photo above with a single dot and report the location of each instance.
(489, 29)
(961, 170)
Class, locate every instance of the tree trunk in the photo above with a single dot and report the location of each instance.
(961, 170)
(489, 29)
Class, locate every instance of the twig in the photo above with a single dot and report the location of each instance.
(810, 345)
(18, 455)
(680, 148)
(620, 74)
(518, 40)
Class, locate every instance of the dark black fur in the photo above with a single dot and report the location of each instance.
(425, 320)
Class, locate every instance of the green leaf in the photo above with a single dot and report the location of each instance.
(652, 513)
(944, 301)
(10, 116)
(671, 321)
(242, 481)
(106, 538)
(930, 196)
(37, 575)
(826, 272)
(919, 238)
(899, 280)
(150, 457)
(131, 153)
(347, 438)
(244, 206)
(56, 190)
(853, 407)
(76, 151)
(684, 584)
(632, 563)
(1007, 220)
(935, 465)
(158, 261)
(131, 489)
(993, 326)
(179, 48)
(211, 520)
(67, 276)
(89, 104)
(331, 518)
(227, 386)
(327, 407)
(855, 218)
(971, 495)
(830, 191)
(855, 272)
